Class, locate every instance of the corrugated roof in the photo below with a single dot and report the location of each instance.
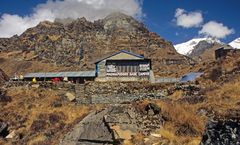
(226, 47)
(124, 51)
(61, 74)
(192, 76)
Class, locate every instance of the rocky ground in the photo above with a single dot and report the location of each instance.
(42, 116)
(225, 132)
(115, 125)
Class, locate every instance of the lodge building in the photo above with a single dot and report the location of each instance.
(222, 52)
(123, 66)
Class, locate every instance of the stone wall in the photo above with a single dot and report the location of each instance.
(116, 92)
(100, 92)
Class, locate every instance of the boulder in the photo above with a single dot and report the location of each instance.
(152, 109)
(224, 132)
(112, 125)
(70, 96)
(36, 86)
(11, 135)
(3, 97)
(3, 129)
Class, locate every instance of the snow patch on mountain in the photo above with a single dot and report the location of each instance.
(187, 47)
(235, 43)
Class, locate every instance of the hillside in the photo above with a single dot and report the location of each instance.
(79, 43)
(44, 116)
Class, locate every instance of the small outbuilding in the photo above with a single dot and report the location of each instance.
(124, 66)
(222, 52)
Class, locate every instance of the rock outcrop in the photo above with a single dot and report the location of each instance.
(112, 126)
(219, 132)
(3, 129)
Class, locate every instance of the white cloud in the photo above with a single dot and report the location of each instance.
(215, 29)
(90, 9)
(188, 19)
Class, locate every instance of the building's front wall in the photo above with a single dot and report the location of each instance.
(121, 79)
(127, 68)
(123, 67)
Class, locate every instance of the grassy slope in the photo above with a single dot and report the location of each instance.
(40, 116)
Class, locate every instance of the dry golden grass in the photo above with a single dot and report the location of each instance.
(183, 114)
(28, 106)
(177, 115)
(176, 95)
(225, 97)
(178, 140)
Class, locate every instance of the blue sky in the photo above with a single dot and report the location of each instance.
(158, 15)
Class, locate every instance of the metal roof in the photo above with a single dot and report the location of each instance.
(226, 47)
(190, 77)
(61, 74)
(122, 51)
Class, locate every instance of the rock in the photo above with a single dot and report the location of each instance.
(91, 130)
(156, 135)
(3, 97)
(112, 125)
(36, 86)
(152, 109)
(186, 130)
(70, 96)
(222, 132)
(11, 135)
(3, 129)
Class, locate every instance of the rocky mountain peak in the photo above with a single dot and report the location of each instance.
(46, 24)
(122, 21)
(117, 16)
(64, 21)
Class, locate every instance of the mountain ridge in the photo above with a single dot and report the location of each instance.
(187, 47)
(80, 42)
(203, 49)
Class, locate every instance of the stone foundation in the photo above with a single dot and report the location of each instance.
(116, 92)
